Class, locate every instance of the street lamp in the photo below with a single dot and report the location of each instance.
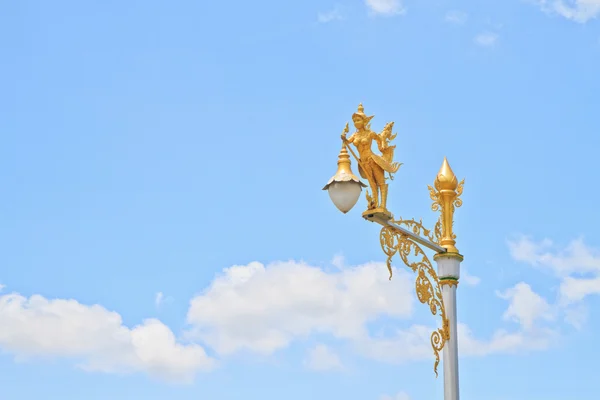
(344, 187)
(405, 237)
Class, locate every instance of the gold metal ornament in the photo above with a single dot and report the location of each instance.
(371, 166)
(427, 284)
(449, 282)
(446, 196)
(419, 229)
(344, 171)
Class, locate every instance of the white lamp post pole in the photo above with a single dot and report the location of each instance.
(448, 266)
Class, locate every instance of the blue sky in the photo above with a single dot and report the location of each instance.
(163, 229)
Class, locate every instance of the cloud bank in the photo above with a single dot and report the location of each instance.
(262, 309)
(96, 338)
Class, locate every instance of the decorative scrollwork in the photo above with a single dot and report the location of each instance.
(418, 229)
(458, 201)
(427, 283)
(435, 197)
(437, 230)
(438, 204)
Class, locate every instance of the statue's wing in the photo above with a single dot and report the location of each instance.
(389, 125)
(387, 166)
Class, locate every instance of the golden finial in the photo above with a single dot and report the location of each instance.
(344, 171)
(445, 198)
(445, 179)
(361, 109)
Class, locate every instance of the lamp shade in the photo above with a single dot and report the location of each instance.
(344, 194)
(344, 187)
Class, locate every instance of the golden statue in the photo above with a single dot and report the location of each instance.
(371, 166)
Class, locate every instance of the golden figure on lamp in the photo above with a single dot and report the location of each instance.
(371, 166)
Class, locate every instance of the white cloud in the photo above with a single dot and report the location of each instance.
(414, 343)
(576, 10)
(503, 341)
(385, 7)
(456, 17)
(577, 265)
(338, 261)
(96, 338)
(262, 309)
(331, 15)
(2, 287)
(576, 316)
(575, 258)
(573, 290)
(322, 358)
(486, 39)
(158, 299)
(526, 306)
(528, 309)
(404, 345)
(526, 250)
(398, 396)
(468, 278)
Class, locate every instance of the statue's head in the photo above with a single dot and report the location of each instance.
(360, 119)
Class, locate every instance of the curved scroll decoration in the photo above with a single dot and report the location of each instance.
(439, 205)
(418, 229)
(427, 283)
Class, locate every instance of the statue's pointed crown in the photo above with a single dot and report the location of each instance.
(361, 112)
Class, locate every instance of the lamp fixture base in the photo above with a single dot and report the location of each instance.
(377, 214)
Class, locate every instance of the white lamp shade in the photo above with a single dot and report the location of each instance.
(344, 194)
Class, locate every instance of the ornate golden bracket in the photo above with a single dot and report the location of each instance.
(427, 284)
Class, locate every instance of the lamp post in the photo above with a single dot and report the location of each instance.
(406, 238)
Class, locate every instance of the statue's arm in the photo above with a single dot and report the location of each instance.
(378, 139)
(344, 138)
